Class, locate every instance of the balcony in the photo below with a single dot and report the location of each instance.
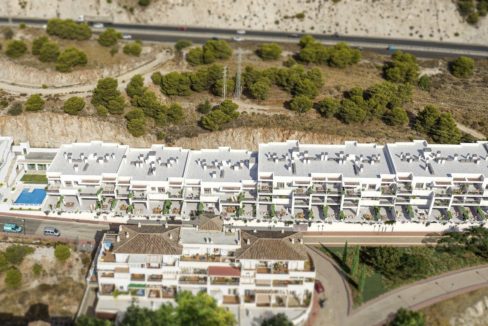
(277, 268)
(155, 278)
(208, 258)
(231, 299)
(280, 283)
(192, 280)
(107, 274)
(107, 257)
(138, 277)
(224, 281)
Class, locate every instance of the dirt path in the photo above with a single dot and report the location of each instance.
(85, 89)
(470, 131)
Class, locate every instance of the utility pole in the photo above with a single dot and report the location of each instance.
(224, 86)
(238, 92)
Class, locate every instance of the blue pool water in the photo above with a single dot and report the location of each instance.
(34, 197)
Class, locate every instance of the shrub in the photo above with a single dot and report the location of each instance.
(68, 29)
(260, 89)
(269, 51)
(135, 114)
(101, 110)
(49, 52)
(301, 104)
(34, 103)
(204, 107)
(305, 87)
(3, 262)
(136, 86)
(396, 117)
(22, 25)
(195, 56)
(38, 43)
(340, 55)
(109, 37)
(70, 58)
(13, 278)
(8, 33)
(220, 115)
(144, 3)
(351, 112)
(462, 67)
(16, 49)
(328, 107)
(175, 113)
(15, 109)
(74, 105)
(136, 127)
(219, 48)
(404, 317)
(424, 83)
(15, 254)
(181, 44)
(402, 69)
(62, 252)
(133, 49)
(156, 78)
(37, 269)
(441, 127)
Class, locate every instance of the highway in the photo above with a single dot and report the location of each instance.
(166, 33)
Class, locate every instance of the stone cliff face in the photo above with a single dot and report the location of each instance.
(46, 129)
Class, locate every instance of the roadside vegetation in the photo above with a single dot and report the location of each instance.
(472, 10)
(375, 270)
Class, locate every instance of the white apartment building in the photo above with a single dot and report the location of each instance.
(286, 181)
(252, 270)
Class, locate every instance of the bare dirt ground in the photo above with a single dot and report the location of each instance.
(59, 287)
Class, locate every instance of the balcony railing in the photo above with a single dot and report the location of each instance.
(192, 280)
(224, 281)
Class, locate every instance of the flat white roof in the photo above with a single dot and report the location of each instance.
(93, 158)
(189, 236)
(159, 163)
(439, 160)
(302, 160)
(221, 165)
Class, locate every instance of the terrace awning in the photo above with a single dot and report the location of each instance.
(224, 271)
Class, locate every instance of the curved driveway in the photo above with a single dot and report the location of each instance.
(419, 295)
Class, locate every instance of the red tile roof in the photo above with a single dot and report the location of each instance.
(223, 271)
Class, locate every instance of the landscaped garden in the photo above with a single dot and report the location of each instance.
(373, 271)
(34, 178)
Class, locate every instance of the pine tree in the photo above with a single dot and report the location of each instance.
(344, 253)
(355, 261)
(362, 278)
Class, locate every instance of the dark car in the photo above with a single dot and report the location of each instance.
(319, 287)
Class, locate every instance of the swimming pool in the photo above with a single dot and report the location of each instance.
(34, 197)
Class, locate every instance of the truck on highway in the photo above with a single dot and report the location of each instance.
(12, 228)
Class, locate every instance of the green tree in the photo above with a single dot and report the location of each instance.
(402, 69)
(136, 127)
(136, 88)
(406, 317)
(181, 44)
(387, 260)
(277, 320)
(306, 40)
(176, 83)
(396, 117)
(201, 310)
(91, 321)
(70, 58)
(101, 110)
(107, 94)
(344, 253)
(16, 49)
(217, 88)
(68, 29)
(37, 269)
(351, 112)
(175, 113)
(220, 49)
(355, 260)
(156, 78)
(462, 67)
(15, 109)
(34, 103)
(144, 3)
(328, 107)
(74, 105)
(37, 44)
(362, 278)
(49, 52)
(445, 130)
(149, 103)
(109, 37)
(305, 87)
(13, 278)
(133, 48)
(260, 89)
(15, 254)
(8, 33)
(427, 118)
(214, 120)
(62, 252)
(269, 51)
(301, 104)
(135, 114)
(342, 55)
(195, 56)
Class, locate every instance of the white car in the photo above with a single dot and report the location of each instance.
(98, 25)
(80, 19)
(127, 37)
(237, 38)
(241, 32)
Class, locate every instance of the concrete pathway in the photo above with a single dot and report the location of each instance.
(419, 295)
(338, 298)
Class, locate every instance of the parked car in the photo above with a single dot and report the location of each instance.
(237, 38)
(293, 35)
(51, 231)
(241, 32)
(391, 48)
(319, 287)
(127, 36)
(12, 228)
(183, 28)
(98, 25)
(80, 19)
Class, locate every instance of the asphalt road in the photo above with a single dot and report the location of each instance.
(370, 240)
(71, 230)
(166, 33)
